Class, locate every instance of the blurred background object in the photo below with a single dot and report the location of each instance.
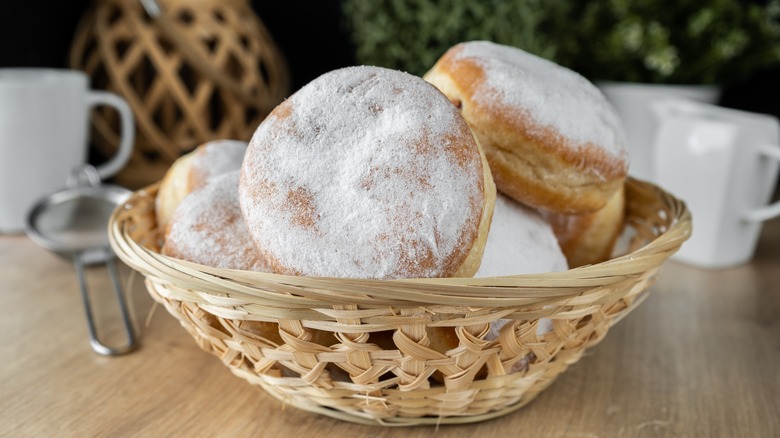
(192, 71)
(410, 35)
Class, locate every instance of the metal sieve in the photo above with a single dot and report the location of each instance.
(73, 222)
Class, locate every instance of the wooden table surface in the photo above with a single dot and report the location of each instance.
(699, 358)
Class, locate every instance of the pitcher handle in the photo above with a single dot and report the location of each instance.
(771, 151)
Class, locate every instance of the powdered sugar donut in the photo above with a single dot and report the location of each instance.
(193, 171)
(208, 228)
(552, 140)
(520, 242)
(367, 172)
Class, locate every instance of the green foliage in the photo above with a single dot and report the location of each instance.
(411, 35)
(684, 41)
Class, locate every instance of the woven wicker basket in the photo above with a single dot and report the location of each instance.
(404, 382)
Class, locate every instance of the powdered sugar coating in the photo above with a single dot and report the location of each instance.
(520, 242)
(194, 170)
(364, 173)
(215, 158)
(554, 96)
(208, 228)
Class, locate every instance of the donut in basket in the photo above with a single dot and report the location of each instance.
(552, 139)
(360, 261)
(372, 173)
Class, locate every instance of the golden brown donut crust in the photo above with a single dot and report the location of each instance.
(590, 238)
(175, 185)
(533, 164)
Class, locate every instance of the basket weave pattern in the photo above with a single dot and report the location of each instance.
(404, 382)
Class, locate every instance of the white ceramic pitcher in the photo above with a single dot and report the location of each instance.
(724, 164)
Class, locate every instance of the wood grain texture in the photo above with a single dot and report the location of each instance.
(698, 358)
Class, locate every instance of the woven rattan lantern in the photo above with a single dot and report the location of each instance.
(191, 70)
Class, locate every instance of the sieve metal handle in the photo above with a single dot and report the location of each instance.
(79, 261)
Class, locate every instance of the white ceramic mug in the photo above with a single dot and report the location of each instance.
(44, 121)
(724, 164)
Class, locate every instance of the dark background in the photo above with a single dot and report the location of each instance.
(310, 34)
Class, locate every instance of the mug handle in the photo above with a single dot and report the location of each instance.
(771, 151)
(127, 126)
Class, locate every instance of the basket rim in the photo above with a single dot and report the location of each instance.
(307, 291)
